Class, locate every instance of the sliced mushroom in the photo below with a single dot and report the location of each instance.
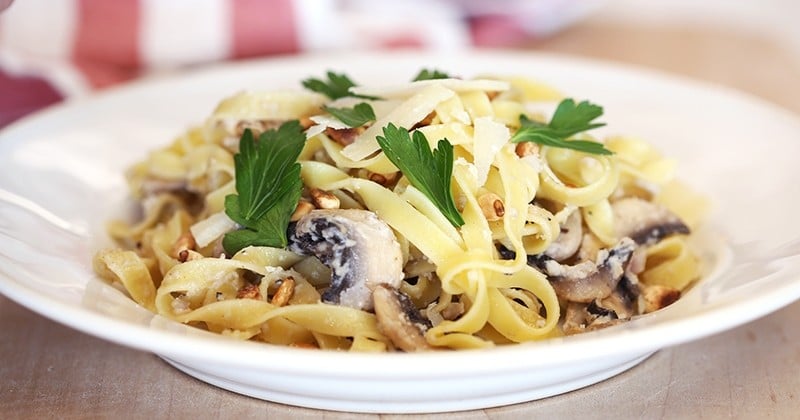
(623, 300)
(569, 240)
(399, 319)
(645, 222)
(583, 317)
(575, 318)
(360, 249)
(587, 281)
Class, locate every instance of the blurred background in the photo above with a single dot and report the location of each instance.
(56, 50)
(51, 50)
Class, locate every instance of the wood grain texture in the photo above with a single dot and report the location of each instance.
(750, 372)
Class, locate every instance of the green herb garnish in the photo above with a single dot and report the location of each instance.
(337, 86)
(428, 171)
(356, 116)
(568, 120)
(426, 74)
(268, 187)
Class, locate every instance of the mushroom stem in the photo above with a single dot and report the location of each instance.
(399, 319)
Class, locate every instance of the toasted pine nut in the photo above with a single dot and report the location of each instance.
(306, 122)
(377, 178)
(384, 179)
(425, 121)
(491, 206)
(526, 148)
(249, 291)
(303, 208)
(344, 136)
(189, 255)
(324, 199)
(284, 292)
(183, 243)
(656, 297)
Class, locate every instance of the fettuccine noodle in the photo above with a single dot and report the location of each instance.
(543, 226)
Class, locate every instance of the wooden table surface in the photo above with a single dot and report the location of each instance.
(48, 370)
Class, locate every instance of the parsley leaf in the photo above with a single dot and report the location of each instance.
(428, 171)
(356, 116)
(568, 120)
(268, 185)
(337, 86)
(426, 74)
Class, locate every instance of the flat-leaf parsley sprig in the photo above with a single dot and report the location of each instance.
(337, 86)
(428, 171)
(268, 187)
(431, 74)
(568, 120)
(356, 116)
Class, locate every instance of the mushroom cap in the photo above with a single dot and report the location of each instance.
(645, 222)
(360, 249)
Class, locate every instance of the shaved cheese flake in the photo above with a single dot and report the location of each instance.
(210, 229)
(477, 104)
(384, 108)
(378, 163)
(281, 105)
(381, 107)
(408, 113)
(322, 123)
(315, 130)
(455, 133)
(490, 136)
(413, 88)
(329, 121)
(452, 110)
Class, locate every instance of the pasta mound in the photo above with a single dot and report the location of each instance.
(555, 241)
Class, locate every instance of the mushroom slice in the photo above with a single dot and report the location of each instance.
(623, 301)
(360, 249)
(399, 319)
(569, 240)
(645, 222)
(587, 281)
(575, 318)
(582, 317)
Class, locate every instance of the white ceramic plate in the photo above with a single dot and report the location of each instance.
(61, 178)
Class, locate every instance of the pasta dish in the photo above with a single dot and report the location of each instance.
(440, 213)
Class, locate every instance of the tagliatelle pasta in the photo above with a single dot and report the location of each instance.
(554, 240)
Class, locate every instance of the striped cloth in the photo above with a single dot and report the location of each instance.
(52, 49)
